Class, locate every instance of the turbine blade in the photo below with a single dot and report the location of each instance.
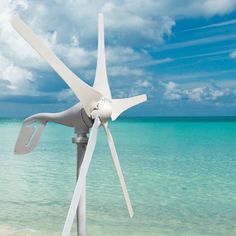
(101, 82)
(29, 136)
(81, 178)
(118, 169)
(86, 94)
(120, 105)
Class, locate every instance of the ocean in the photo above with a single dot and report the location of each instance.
(180, 173)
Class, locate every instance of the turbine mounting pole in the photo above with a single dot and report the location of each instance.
(81, 141)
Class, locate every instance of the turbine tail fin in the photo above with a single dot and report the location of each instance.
(29, 136)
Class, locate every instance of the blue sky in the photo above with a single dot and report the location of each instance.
(181, 53)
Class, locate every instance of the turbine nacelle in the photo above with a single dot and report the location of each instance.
(103, 110)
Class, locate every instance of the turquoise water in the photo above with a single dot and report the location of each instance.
(181, 175)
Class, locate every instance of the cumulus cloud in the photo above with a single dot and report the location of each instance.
(65, 95)
(220, 7)
(144, 84)
(232, 55)
(74, 39)
(16, 80)
(175, 92)
(125, 71)
(120, 55)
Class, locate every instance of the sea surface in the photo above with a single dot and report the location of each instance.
(180, 173)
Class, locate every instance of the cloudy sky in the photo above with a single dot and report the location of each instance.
(181, 53)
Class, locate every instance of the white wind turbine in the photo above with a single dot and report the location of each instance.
(96, 107)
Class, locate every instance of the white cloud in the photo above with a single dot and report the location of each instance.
(196, 94)
(3, 5)
(124, 71)
(144, 84)
(232, 55)
(175, 92)
(65, 95)
(16, 76)
(16, 80)
(220, 7)
(73, 56)
(119, 55)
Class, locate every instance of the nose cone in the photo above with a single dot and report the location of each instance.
(104, 110)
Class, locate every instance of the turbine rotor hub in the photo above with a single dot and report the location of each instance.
(103, 109)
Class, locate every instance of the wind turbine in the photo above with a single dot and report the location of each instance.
(96, 107)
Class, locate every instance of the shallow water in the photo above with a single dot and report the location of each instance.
(180, 174)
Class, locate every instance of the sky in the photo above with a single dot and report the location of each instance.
(182, 54)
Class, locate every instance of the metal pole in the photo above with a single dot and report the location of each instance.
(81, 140)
